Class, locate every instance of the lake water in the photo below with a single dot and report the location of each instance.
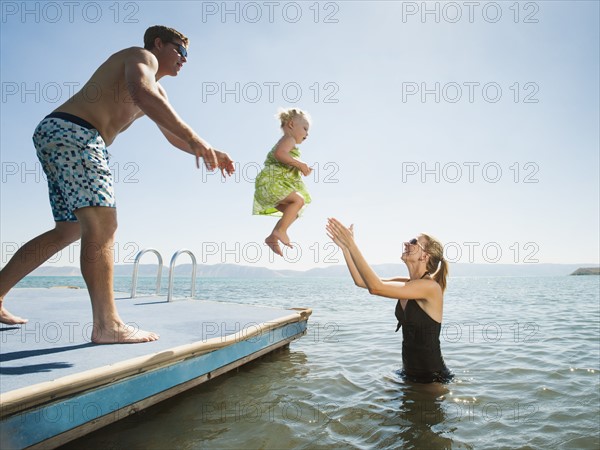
(525, 352)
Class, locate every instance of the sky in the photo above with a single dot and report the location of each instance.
(475, 122)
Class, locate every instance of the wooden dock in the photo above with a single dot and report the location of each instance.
(55, 385)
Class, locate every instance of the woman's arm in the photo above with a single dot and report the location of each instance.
(350, 263)
(352, 267)
(421, 289)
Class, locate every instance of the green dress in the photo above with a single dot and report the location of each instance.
(275, 182)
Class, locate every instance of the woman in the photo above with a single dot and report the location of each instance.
(420, 299)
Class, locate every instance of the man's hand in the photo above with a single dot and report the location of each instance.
(225, 163)
(206, 153)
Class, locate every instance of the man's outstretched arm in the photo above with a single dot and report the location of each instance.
(224, 162)
(140, 75)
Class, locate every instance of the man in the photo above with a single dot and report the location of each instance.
(71, 145)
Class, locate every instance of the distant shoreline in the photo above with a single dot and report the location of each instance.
(384, 270)
(587, 271)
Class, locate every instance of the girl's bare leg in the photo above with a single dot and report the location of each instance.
(290, 206)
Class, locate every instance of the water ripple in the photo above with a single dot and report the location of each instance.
(525, 353)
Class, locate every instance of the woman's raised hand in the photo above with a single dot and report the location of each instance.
(339, 234)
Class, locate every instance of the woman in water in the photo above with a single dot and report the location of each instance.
(420, 299)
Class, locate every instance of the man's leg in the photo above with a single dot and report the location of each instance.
(29, 257)
(98, 227)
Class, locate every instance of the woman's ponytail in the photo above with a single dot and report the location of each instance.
(437, 266)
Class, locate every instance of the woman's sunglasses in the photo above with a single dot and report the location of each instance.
(414, 241)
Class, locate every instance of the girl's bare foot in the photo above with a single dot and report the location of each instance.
(273, 244)
(283, 237)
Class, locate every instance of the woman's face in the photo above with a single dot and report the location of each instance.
(413, 248)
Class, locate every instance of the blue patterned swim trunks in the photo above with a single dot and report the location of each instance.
(76, 163)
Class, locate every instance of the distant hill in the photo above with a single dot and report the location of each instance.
(384, 270)
(51, 271)
(587, 271)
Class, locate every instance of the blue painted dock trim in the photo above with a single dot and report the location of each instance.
(40, 424)
(51, 413)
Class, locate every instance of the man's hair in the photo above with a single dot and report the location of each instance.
(165, 34)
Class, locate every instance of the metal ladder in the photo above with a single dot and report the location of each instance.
(159, 273)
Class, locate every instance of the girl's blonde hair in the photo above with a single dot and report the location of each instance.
(285, 115)
(437, 266)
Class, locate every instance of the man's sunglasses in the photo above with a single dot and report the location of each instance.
(180, 49)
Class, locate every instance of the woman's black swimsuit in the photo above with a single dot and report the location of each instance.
(421, 354)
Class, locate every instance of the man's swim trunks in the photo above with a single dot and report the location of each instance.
(275, 182)
(76, 163)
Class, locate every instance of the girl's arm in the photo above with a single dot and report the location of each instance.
(421, 289)
(282, 154)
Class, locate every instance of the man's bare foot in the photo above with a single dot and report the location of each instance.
(10, 319)
(273, 244)
(121, 333)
